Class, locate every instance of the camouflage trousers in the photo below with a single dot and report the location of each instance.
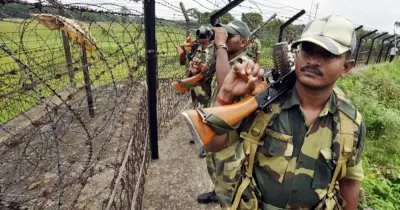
(210, 160)
(228, 164)
(201, 95)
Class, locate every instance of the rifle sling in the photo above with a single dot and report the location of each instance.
(251, 141)
(218, 125)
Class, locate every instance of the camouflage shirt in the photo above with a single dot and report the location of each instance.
(295, 163)
(229, 160)
(253, 49)
(202, 92)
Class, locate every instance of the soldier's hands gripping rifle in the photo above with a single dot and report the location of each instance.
(206, 71)
(206, 123)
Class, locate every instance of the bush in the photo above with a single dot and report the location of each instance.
(376, 93)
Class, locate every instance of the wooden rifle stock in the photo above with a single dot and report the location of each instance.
(231, 114)
(180, 84)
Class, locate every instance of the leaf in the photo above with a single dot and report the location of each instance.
(34, 185)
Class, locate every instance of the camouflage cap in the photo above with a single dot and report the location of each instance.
(204, 28)
(333, 33)
(236, 27)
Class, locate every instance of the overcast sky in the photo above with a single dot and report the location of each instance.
(373, 14)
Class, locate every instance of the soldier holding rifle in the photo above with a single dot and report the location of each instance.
(230, 41)
(303, 151)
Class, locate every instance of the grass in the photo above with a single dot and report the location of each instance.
(376, 92)
(42, 51)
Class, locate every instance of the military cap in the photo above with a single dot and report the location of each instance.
(236, 27)
(333, 33)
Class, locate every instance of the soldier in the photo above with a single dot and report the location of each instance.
(204, 54)
(308, 148)
(254, 50)
(230, 41)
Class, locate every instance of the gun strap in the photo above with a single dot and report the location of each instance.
(219, 125)
(251, 141)
(187, 85)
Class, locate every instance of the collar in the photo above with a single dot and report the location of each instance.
(234, 60)
(293, 100)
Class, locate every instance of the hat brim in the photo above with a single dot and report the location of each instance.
(325, 42)
(228, 29)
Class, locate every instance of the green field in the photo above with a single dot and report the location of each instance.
(120, 55)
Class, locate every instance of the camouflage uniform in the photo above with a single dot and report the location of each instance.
(201, 93)
(253, 49)
(227, 161)
(294, 165)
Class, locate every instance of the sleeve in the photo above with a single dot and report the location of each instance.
(210, 59)
(354, 169)
(259, 47)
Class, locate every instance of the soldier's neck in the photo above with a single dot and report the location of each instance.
(312, 99)
(234, 55)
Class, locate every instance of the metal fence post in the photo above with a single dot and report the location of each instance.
(372, 44)
(86, 77)
(291, 20)
(360, 42)
(379, 55)
(151, 68)
(388, 49)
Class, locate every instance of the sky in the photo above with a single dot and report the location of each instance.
(373, 14)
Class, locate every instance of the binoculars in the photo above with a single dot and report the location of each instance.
(207, 34)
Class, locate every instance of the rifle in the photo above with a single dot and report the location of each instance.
(184, 85)
(284, 78)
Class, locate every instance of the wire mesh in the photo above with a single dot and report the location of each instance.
(73, 116)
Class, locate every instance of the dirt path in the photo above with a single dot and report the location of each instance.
(175, 180)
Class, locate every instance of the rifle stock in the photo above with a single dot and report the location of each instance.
(179, 84)
(231, 114)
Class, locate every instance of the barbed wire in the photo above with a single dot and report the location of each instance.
(46, 125)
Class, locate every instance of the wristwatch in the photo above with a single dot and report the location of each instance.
(222, 46)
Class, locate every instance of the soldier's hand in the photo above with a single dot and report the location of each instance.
(187, 42)
(194, 66)
(220, 35)
(242, 80)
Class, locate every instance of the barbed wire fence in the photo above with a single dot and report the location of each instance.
(73, 108)
(74, 131)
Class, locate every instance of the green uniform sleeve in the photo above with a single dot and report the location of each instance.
(259, 50)
(354, 164)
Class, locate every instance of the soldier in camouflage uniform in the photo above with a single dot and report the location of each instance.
(230, 41)
(310, 144)
(254, 50)
(204, 54)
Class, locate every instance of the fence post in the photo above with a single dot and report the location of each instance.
(372, 44)
(387, 51)
(86, 77)
(68, 57)
(224, 10)
(67, 49)
(379, 55)
(151, 68)
(359, 43)
(284, 25)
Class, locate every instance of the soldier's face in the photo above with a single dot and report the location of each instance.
(204, 41)
(235, 43)
(317, 68)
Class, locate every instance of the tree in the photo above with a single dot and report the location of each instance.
(226, 18)
(252, 19)
(397, 24)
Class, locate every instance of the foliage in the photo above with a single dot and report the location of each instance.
(252, 19)
(376, 93)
